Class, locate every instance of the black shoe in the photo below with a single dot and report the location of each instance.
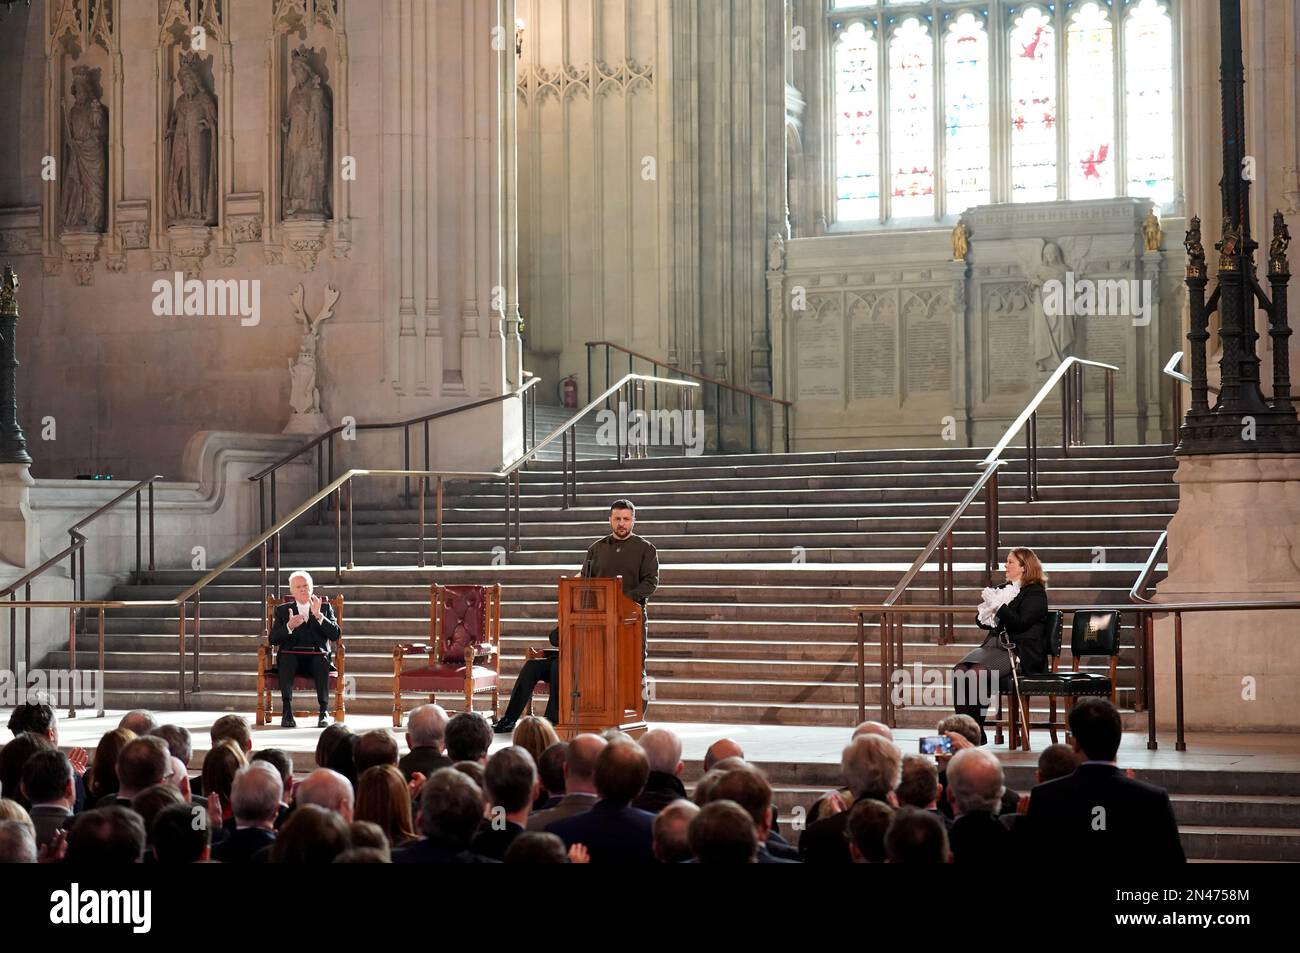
(286, 720)
(503, 727)
(322, 721)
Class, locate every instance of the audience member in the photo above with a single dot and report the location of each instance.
(468, 737)
(17, 843)
(384, 799)
(426, 732)
(12, 759)
(282, 761)
(612, 830)
(177, 839)
(534, 735)
(374, 747)
(579, 782)
(329, 740)
(325, 789)
(41, 719)
(916, 836)
(11, 810)
(255, 797)
(663, 751)
(149, 803)
(102, 779)
(865, 825)
(106, 835)
(722, 748)
(363, 855)
(919, 786)
(472, 770)
(873, 728)
(141, 721)
(511, 786)
(47, 784)
(143, 763)
(536, 847)
(1055, 761)
(749, 788)
(220, 765)
(342, 758)
(672, 844)
(964, 732)
(1139, 826)
(871, 767)
(367, 835)
(550, 772)
(312, 835)
(974, 790)
(723, 833)
(234, 728)
(179, 742)
(451, 808)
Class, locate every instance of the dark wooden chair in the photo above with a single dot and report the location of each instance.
(268, 675)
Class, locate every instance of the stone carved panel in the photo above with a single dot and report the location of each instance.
(873, 318)
(1007, 351)
(819, 336)
(927, 355)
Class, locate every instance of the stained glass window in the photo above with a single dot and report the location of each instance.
(1032, 56)
(857, 126)
(966, 114)
(1090, 73)
(911, 121)
(1149, 109)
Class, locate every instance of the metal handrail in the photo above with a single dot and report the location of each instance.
(718, 384)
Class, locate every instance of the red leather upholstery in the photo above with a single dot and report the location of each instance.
(446, 678)
(464, 624)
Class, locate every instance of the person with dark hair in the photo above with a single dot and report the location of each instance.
(143, 763)
(42, 719)
(301, 631)
(919, 786)
(311, 835)
(579, 782)
(106, 835)
(550, 771)
(179, 741)
(672, 844)
(916, 836)
(865, 826)
(149, 802)
(511, 781)
(374, 747)
(621, 553)
(536, 847)
(613, 831)
(384, 800)
(472, 770)
(13, 758)
(343, 758)
(749, 788)
(1097, 815)
(220, 765)
(468, 737)
(235, 728)
(363, 855)
(47, 784)
(451, 808)
(176, 838)
(329, 740)
(102, 776)
(723, 833)
(1055, 761)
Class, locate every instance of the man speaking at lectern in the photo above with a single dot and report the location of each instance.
(621, 553)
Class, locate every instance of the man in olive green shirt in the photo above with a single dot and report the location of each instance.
(621, 553)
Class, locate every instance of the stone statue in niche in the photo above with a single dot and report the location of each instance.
(85, 155)
(306, 127)
(1152, 234)
(192, 150)
(304, 395)
(1053, 334)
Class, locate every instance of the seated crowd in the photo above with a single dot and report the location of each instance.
(595, 799)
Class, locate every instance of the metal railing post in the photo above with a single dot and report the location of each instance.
(437, 514)
(422, 487)
(139, 533)
(151, 532)
(198, 636)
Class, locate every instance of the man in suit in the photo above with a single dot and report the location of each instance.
(613, 831)
(672, 841)
(255, 798)
(915, 836)
(302, 631)
(1097, 815)
(621, 553)
(871, 767)
(919, 787)
(41, 719)
(512, 785)
(426, 732)
(143, 763)
(47, 782)
(750, 789)
(451, 808)
(579, 782)
(663, 750)
(975, 789)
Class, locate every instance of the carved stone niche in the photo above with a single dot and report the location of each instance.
(244, 217)
(20, 230)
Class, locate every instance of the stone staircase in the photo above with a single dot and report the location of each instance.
(761, 556)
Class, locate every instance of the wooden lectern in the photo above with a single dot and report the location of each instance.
(601, 644)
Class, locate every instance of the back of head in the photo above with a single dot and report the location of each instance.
(107, 835)
(234, 727)
(178, 740)
(1056, 761)
(256, 794)
(964, 725)
(672, 843)
(374, 747)
(143, 763)
(152, 800)
(866, 825)
(46, 776)
(101, 779)
(175, 836)
(329, 740)
(621, 772)
(384, 799)
(141, 721)
(11, 810)
(311, 835)
(704, 786)
(325, 789)
(975, 781)
(722, 748)
(510, 777)
(369, 835)
(14, 757)
(580, 760)
(916, 837)
(468, 737)
(748, 788)
(474, 771)
(277, 758)
(427, 726)
(723, 833)
(534, 735)
(1097, 729)
(451, 807)
(220, 765)
(873, 728)
(17, 843)
(663, 750)
(36, 717)
(363, 855)
(342, 759)
(919, 786)
(536, 847)
(550, 767)
(872, 767)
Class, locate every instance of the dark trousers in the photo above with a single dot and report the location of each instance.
(311, 666)
(535, 670)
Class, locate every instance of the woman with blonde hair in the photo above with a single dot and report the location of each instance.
(384, 798)
(220, 765)
(534, 735)
(101, 779)
(1016, 609)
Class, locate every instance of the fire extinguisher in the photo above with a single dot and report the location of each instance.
(569, 391)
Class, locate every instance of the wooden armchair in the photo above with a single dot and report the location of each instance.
(464, 648)
(268, 676)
